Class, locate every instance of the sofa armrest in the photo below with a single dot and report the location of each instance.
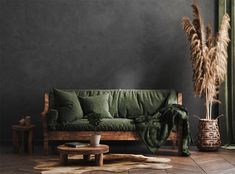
(44, 114)
(46, 104)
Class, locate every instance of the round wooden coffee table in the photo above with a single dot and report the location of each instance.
(86, 151)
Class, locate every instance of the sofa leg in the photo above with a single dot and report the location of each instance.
(45, 147)
(174, 144)
(180, 148)
(179, 137)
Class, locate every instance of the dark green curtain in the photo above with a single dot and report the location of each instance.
(227, 90)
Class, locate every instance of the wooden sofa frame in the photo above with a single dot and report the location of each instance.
(175, 137)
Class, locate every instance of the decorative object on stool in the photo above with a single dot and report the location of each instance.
(25, 121)
(95, 119)
(22, 122)
(209, 63)
(95, 139)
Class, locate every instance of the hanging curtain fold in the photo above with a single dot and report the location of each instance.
(227, 91)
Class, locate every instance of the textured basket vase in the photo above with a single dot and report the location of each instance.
(95, 139)
(208, 135)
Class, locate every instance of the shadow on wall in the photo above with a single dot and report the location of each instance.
(143, 76)
(129, 78)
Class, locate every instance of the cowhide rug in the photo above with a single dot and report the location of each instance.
(112, 163)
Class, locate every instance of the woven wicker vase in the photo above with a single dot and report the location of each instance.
(208, 135)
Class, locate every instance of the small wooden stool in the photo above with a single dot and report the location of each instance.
(86, 151)
(19, 133)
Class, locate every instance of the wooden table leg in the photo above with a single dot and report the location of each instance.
(14, 140)
(86, 157)
(99, 159)
(30, 140)
(63, 158)
(22, 137)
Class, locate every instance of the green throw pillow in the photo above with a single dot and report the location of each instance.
(68, 106)
(96, 104)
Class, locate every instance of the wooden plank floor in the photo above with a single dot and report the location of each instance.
(222, 162)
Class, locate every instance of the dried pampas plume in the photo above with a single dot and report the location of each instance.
(208, 56)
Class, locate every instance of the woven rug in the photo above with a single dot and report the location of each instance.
(112, 163)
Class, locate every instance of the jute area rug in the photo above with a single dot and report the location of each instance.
(112, 163)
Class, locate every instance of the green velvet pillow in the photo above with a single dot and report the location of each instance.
(96, 104)
(68, 106)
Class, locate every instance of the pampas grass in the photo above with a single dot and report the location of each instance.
(208, 56)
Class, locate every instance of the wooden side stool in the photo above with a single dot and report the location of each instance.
(20, 134)
(86, 151)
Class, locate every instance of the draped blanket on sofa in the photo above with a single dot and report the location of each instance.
(154, 130)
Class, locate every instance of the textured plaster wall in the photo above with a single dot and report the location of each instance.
(91, 44)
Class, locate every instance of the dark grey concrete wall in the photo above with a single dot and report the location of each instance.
(91, 44)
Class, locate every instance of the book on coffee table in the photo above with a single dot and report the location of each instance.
(76, 144)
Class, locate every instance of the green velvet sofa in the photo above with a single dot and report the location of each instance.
(123, 105)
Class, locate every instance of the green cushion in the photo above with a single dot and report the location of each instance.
(112, 100)
(68, 106)
(96, 104)
(115, 124)
(143, 102)
(52, 117)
